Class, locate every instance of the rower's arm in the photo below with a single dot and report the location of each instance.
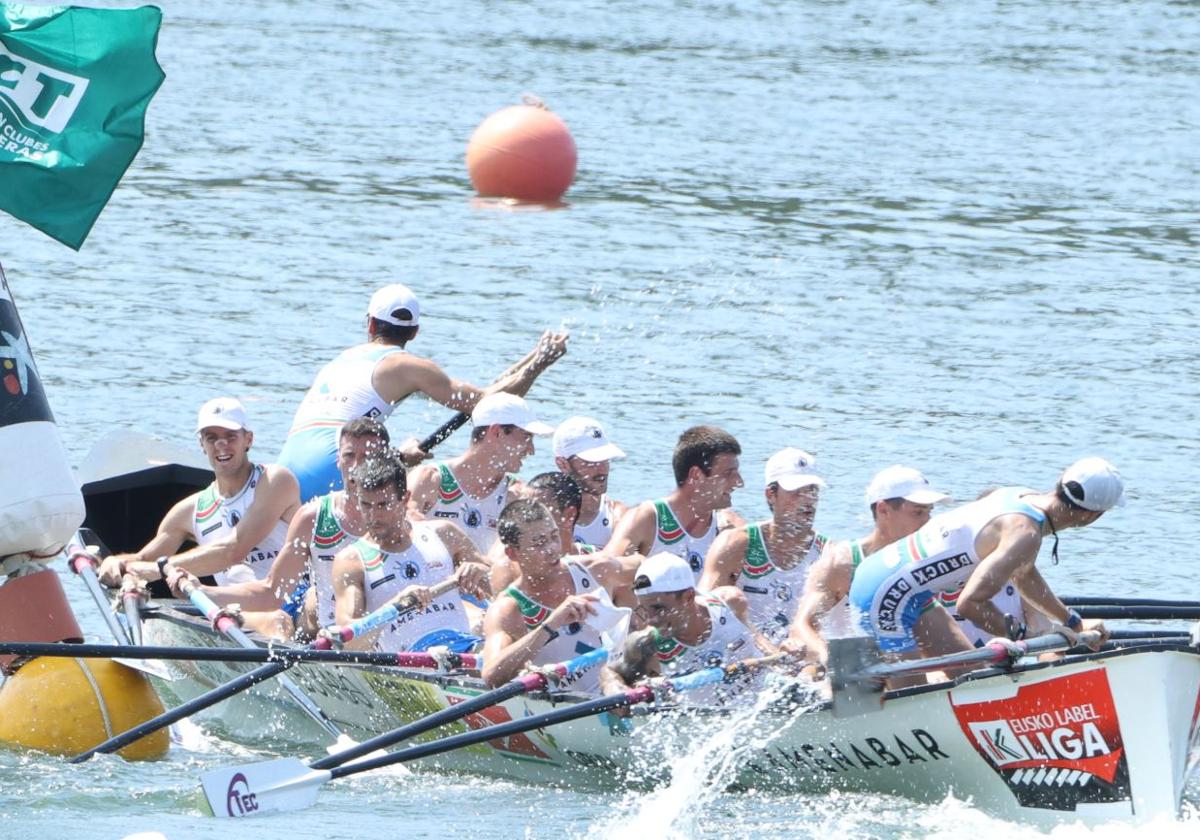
(286, 571)
(471, 568)
(276, 498)
(634, 534)
(422, 491)
(175, 528)
(828, 582)
(1017, 547)
(1037, 592)
(735, 599)
(507, 647)
(723, 563)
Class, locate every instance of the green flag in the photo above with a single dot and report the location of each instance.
(74, 86)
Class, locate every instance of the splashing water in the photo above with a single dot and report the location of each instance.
(701, 768)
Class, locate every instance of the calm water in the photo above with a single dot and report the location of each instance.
(956, 235)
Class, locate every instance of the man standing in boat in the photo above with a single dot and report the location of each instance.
(559, 607)
(979, 547)
(769, 561)
(687, 521)
(685, 629)
(901, 501)
(471, 489)
(368, 380)
(399, 559)
(584, 452)
(238, 522)
(322, 527)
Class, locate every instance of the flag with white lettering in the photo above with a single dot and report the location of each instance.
(74, 86)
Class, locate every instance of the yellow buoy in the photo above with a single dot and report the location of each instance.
(66, 706)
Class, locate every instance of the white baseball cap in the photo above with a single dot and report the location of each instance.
(389, 300)
(222, 412)
(791, 469)
(662, 573)
(504, 409)
(584, 437)
(897, 482)
(1093, 484)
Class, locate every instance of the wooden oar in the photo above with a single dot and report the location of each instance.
(857, 677)
(209, 698)
(288, 784)
(228, 626)
(403, 659)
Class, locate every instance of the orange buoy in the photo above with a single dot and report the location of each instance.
(524, 152)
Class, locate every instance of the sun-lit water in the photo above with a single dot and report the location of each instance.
(956, 235)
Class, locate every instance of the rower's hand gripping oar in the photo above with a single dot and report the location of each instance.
(288, 784)
(857, 677)
(83, 563)
(334, 636)
(133, 595)
(209, 698)
(226, 622)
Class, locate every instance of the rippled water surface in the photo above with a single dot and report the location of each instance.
(957, 235)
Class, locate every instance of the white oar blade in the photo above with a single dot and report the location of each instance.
(147, 666)
(285, 784)
(853, 694)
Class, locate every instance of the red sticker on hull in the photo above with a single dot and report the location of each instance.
(1056, 743)
(519, 745)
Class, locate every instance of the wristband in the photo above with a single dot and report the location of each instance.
(162, 562)
(1074, 620)
(551, 633)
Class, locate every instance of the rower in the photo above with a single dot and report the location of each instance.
(471, 489)
(584, 452)
(979, 547)
(769, 561)
(320, 529)
(238, 522)
(686, 522)
(900, 500)
(370, 379)
(556, 610)
(399, 560)
(686, 629)
(562, 495)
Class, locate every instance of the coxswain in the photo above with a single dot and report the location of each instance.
(684, 629)
(321, 528)
(769, 561)
(980, 546)
(556, 610)
(239, 522)
(369, 379)
(901, 501)
(399, 560)
(471, 489)
(583, 451)
(686, 522)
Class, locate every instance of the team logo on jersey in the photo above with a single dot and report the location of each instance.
(207, 512)
(234, 518)
(472, 518)
(696, 560)
(781, 590)
(668, 649)
(328, 540)
(411, 570)
(752, 568)
(1056, 744)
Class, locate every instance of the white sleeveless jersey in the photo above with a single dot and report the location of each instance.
(342, 390)
(478, 518)
(215, 517)
(773, 593)
(327, 539)
(728, 641)
(670, 536)
(425, 562)
(599, 530)
(573, 640)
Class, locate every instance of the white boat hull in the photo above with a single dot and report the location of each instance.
(1111, 736)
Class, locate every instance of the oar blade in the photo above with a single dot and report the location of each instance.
(853, 693)
(147, 666)
(285, 784)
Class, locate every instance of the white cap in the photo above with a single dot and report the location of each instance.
(897, 482)
(791, 469)
(505, 409)
(1094, 484)
(389, 300)
(662, 573)
(584, 437)
(223, 412)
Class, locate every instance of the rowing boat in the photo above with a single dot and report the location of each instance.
(1094, 737)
